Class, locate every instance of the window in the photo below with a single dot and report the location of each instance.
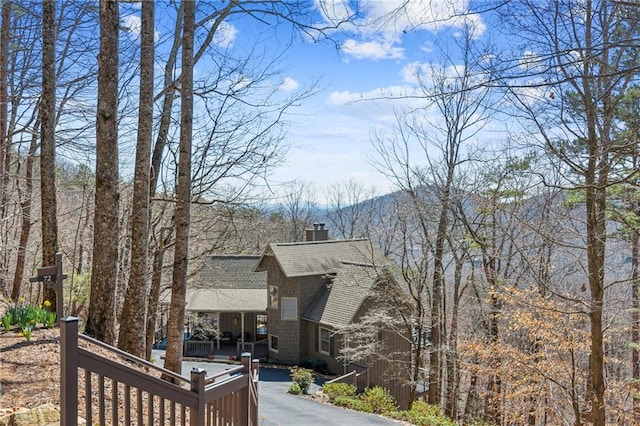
(324, 341)
(273, 297)
(273, 343)
(290, 308)
(261, 326)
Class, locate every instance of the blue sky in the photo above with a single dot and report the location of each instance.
(334, 145)
(330, 134)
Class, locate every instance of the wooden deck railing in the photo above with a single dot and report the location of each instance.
(198, 348)
(121, 389)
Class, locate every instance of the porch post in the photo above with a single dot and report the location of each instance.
(242, 329)
(218, 325)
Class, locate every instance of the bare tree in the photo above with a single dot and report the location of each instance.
(47, 145)
(298, 210)
(351, 207)
(132, 323)
(101, 315)
(5, 29)
(454, 92)
(175, 334)
(583, 55)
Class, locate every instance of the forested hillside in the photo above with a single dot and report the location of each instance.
(136, 139)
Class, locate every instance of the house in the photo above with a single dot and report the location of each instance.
(225, 303)
(317, 290)
(303, 303)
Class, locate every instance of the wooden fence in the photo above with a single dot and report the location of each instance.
(120, 389)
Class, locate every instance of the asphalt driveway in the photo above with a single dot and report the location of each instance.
(278, 408)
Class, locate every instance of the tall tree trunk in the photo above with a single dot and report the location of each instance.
(154, 291)
(132, 323)
(47, 147)
(156, 160)
(169, 91)
(25, 228)
(101, 316)
(437, 306)
(596, 180)
(5, 32)
(451, 408)
(173, 360)
(635, 320)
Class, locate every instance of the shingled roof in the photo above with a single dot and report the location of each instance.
(226, 300)
(320, 257)
(226, 284)
(230, 272)
(338, 304)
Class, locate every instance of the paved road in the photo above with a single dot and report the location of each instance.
(278, 408)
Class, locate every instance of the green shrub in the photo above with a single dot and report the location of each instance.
(303, 377)
(378, 400)
(334, 390)
(423, 414)
(294, 389)
(351, 403)
(421, 407)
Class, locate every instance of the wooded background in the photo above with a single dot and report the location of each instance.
(518, 247)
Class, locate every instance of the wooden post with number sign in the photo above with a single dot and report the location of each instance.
(53, 276)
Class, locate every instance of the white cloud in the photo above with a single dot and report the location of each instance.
(401, 15)
(133, 24)
(289, 84)
(334, 11)
(383, 24)
(375, 50)
(225, 34)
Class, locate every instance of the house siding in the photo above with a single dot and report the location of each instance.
(309, 288)
(291, 334)
(333, 365)
(288, 332)
(392, 371)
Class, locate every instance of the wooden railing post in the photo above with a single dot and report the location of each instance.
(253, 402)
(69, 371)
(244, 399)
(197, 413)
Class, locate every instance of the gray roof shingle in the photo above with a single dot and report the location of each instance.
(230, 272)
(320, 257)
(226, 284)
(338, 305)
(226, 300)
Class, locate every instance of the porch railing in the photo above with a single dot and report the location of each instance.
(198, 348)
(115, 392)
(258, 349)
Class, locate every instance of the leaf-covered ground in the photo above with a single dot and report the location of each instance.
(29, 371)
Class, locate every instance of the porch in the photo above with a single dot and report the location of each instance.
(220, 335)
(223, 351)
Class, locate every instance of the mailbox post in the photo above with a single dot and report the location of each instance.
(53, 276)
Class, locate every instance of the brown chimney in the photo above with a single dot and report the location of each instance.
(318, 233)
